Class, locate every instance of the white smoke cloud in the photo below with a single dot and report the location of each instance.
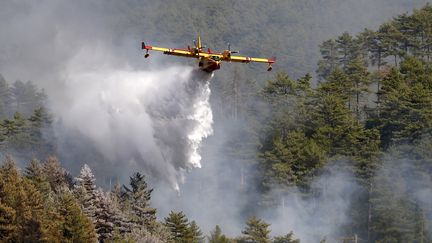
(320, 215)
(151, 120)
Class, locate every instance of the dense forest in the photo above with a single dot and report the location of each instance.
(369, 114)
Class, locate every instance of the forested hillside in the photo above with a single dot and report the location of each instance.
(372, 110)
(367, 117)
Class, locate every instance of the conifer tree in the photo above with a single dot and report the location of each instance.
(55, 174)
(35, 173)
(347, 48)
(330, 61)
(405, 97)
(17, 133)
(2, 135)
(7, 226)
(291, 160)
(41, 133)
(26, 97)
(256, 230)
(288, 238)
(377, 49)
(85, 191)
(77, 227)
(197, 236)
(393, 215)
(138, 197)
(104, 217)
(5, 98)
(96, 205)
(53, 220)
(359, 78)
(407, 40)
(21, 196)
(216, 236)
(337, 83)
(178, 225)
(389, 36)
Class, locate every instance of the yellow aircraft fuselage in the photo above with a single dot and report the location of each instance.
(208, 61)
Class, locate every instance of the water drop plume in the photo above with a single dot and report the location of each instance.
(151, 121)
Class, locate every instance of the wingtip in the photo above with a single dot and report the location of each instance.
(272, 59)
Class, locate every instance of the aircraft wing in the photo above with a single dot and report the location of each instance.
(206, 54)
(252, 59)
(169, 51)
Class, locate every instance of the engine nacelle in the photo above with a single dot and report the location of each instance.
(226, 54)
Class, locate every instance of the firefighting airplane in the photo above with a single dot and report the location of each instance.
(208, 61)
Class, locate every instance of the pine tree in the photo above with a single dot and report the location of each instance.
(116, 200)
(97, 206)
(197, 235)
(288, 99)
(422, 22)
(7, 226)
(405, 97)
(216, 236)
(407, 40)
(86, 192)
(178, 225)
(104, 217)
(55, 174)
(53, 220)
(377, 49)
(77, 227)
(5, 99)
(292, 160)
(13, 200)
(26, 97)
(288, 238)
(256, 230)
(45, 223)
(2, 135)
(41, 133)
(347, 48)
(393, 218)
(21, 196)
(359, 79)
(138, 197)
(338, 84)
(389, 36)
(16, 131)
(35, 173)
(330, 61)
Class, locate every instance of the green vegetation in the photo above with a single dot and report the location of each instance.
(372, 103)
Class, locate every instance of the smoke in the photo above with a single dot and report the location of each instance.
(319, 215)
(404, 183)
(152, 120)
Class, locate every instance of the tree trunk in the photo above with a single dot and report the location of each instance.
(369, 213)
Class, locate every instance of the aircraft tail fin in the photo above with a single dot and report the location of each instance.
(199, 45)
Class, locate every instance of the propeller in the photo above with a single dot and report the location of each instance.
(196, 45)
(229, 49)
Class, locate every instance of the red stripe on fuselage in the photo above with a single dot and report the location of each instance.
(272, 60)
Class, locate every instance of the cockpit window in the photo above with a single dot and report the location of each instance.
(216, 58)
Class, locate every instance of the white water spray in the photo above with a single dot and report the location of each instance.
(203, 115)
(150, 121)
